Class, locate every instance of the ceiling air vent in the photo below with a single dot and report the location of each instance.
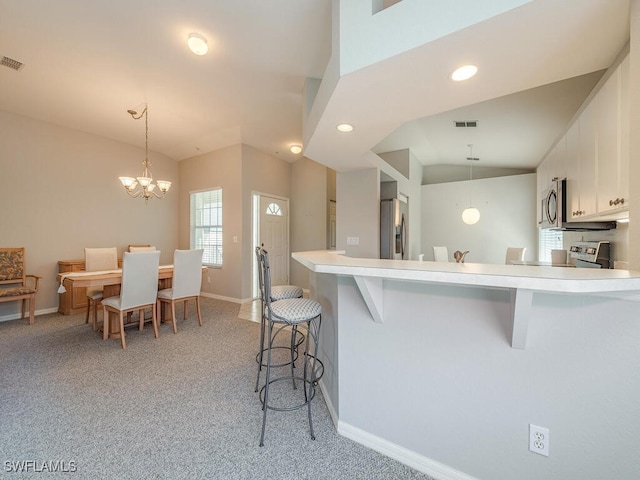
(11, 63)
(466, 124)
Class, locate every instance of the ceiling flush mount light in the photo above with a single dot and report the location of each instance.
(295, 149)
(198, 44)
(471, 215)
(147, 187)
(464, 73)
(345, 127)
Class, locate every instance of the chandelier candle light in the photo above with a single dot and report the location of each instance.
(147, 187)
(471, 215)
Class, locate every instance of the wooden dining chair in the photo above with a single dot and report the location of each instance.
(95, 260)
(138, 291)
(141, 248)
(186, 283)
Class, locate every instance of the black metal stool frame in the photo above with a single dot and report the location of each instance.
(296, 337)
(275, 326)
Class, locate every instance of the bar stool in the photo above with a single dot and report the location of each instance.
(279, 292)
(302, 313)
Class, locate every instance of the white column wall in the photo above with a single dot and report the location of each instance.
(438, 386)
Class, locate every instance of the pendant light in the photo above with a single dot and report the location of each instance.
(471, 215)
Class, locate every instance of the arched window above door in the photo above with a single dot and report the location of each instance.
(274, 209)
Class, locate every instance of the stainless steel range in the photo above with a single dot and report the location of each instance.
(592, 254)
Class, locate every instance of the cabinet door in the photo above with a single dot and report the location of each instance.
(560, 158)
(587, 168)
(624, 119)
(572, 139)
(608, 155)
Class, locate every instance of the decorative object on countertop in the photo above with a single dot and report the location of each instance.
(147, 186)
(459, 256)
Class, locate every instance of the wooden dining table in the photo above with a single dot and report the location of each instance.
(111, 281)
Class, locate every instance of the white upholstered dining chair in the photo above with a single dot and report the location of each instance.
(186, 283)
(515, 254)
(96, 260)
(441, 254)
(138, 291)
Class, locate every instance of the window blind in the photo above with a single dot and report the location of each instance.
(206, 225)
(547, 240)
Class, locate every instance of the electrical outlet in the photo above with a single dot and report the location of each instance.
(539, 440)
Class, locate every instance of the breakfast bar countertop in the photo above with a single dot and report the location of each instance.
(535, 278)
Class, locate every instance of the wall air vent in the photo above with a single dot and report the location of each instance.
(466, 124)
(11, 63)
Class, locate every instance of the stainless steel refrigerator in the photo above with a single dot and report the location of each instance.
(393, 229)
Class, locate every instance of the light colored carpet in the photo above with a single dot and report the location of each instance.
(179, 407)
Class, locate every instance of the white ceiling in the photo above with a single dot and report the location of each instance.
(87, 62)
(536, 44)
(514, 131)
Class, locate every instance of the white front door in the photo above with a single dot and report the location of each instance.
(274, 235)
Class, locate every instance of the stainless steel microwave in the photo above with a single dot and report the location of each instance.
(553, 211)
(552, 205)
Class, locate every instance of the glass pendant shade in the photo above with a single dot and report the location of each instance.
(470, 215)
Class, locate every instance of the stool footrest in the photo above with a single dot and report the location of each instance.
(294, 407)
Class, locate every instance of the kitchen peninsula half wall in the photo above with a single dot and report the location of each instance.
(419, 364)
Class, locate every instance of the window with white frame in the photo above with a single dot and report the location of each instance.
(206, 225)
(548, 240)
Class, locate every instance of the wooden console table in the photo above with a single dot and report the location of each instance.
(74, 300)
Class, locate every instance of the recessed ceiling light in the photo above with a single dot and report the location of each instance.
(345, 127)
(464, 73)
(198, 44)
(295, 149)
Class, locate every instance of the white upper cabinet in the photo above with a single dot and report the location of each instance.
(572, 139)
(593, 155)
(608, 142)
(586, 173)
(613, 141)
(625, 132)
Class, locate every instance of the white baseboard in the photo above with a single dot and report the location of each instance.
(408, 457)
(226, 299)
(16, 316)
(330, 407)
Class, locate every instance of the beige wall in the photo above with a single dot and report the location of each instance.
(308, 213)
(60, 193)
(221, 168)
(261, 173)
(239, 170)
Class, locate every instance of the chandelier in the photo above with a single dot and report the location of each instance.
(147, 188)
